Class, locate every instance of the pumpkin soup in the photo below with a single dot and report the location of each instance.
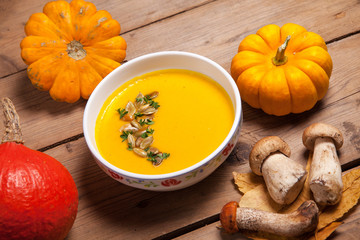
(183, 116)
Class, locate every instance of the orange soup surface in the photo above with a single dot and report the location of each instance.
(194, 117)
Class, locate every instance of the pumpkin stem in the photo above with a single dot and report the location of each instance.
(76, 50)
(280, 58)
(12, 123)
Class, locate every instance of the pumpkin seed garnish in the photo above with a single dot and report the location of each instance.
(139, 133)
(131, 139)
(123, 127)
(136, 124)
(157, 159)
(130, 129)
(154, 150)
(139, 138)
(147, 142)
(143, 108)
(130, 108)
(149, 111)
(140, 152)
(139, 100)
(138, 142)
(153, 95)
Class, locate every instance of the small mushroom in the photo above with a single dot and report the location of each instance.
(325, 170)
(302, 220)
(284, 178)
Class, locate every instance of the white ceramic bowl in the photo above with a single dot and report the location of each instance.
(149, 63)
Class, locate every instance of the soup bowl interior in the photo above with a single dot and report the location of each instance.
(149, 63)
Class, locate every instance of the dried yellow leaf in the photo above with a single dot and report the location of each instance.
(247, 181)
(350, 177)
(259, 198)
(326, 232)
(349, 199)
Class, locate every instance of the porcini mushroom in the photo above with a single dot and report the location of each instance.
(302, 220)
(325, 170)
(284, 177)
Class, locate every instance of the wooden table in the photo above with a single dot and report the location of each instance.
(212, 28)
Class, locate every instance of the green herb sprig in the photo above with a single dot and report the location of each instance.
(142, 122)
(147, 99)
(130, 147)
(124, 135)
(122, 112)
(152, 156)
(147, 132)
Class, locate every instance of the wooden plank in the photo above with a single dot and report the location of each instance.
(219, 25)
(349, 230)
(130, 14)
(211, 232)
(127, 212)
(41, 125)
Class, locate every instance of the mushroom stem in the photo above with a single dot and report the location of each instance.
(325, 173)
(301, 221)
(284, 178)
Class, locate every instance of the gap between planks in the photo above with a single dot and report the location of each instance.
(167, 17)
(189, 9)
(140, 27)
(189, 228)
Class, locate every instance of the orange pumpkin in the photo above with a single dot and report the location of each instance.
(70, 48)
(282, 70)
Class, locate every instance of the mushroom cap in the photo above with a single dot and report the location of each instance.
(228, 217)
(263, 148)
(316, 130)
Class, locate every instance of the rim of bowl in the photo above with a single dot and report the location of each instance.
(236, 123)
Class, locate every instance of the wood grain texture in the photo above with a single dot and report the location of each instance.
(108, 209)
(213, 28)
(129, 13)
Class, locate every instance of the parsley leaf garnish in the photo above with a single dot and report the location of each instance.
(138, 115)
(146, 134)
(124, 135)
(130, 147)
(152, 156)
(154, 104)
(122, 112)
(142, 122)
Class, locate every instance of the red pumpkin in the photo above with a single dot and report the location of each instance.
(38, 196)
